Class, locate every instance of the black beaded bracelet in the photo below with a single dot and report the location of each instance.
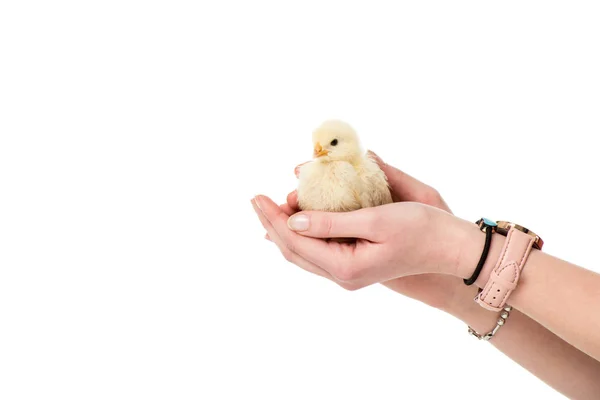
(489, 227)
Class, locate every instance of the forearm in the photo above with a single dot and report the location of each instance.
(560, 296)
(564, 298)
(535, 348)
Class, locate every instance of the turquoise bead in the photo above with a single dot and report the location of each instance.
(489, 222)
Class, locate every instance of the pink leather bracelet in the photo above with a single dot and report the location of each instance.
(504, 277)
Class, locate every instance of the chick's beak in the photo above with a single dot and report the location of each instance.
(319, 151)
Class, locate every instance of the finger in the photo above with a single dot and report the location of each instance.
(407, 188)
(354, 224)
(289, 255)
(404, 185)
(330, 256)
(287, 209)
(292, 200)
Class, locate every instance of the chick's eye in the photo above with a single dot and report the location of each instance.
(334, 142)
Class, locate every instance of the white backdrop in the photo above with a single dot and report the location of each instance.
(134, 134)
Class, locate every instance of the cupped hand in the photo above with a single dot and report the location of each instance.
(392, 241)
(405, 240)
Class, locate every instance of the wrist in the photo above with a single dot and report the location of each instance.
(450, 243)
(460, 244)
(475, 316)
(472, 241)
(461, 306)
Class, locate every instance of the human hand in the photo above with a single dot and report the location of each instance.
(436, 290)
(394, 240)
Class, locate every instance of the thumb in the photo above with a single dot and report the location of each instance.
(319, 224)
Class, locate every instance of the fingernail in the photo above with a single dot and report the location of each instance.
(298, 222)
(257, 202)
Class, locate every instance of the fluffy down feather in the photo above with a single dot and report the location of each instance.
(341, 177)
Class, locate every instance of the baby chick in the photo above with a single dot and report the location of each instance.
(341, 177)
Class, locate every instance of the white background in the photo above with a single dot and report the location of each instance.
(134, 134)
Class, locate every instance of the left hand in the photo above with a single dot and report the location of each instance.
(393, 241)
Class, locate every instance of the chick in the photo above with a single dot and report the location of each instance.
(341, 177)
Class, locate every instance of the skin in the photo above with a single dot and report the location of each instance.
(421, 250)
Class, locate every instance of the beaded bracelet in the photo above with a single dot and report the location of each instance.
(501, 321)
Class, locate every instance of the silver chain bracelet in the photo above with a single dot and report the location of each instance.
(501, 321)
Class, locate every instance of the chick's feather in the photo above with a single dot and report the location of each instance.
(341, 177)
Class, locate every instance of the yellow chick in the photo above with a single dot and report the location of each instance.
(341, 177)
